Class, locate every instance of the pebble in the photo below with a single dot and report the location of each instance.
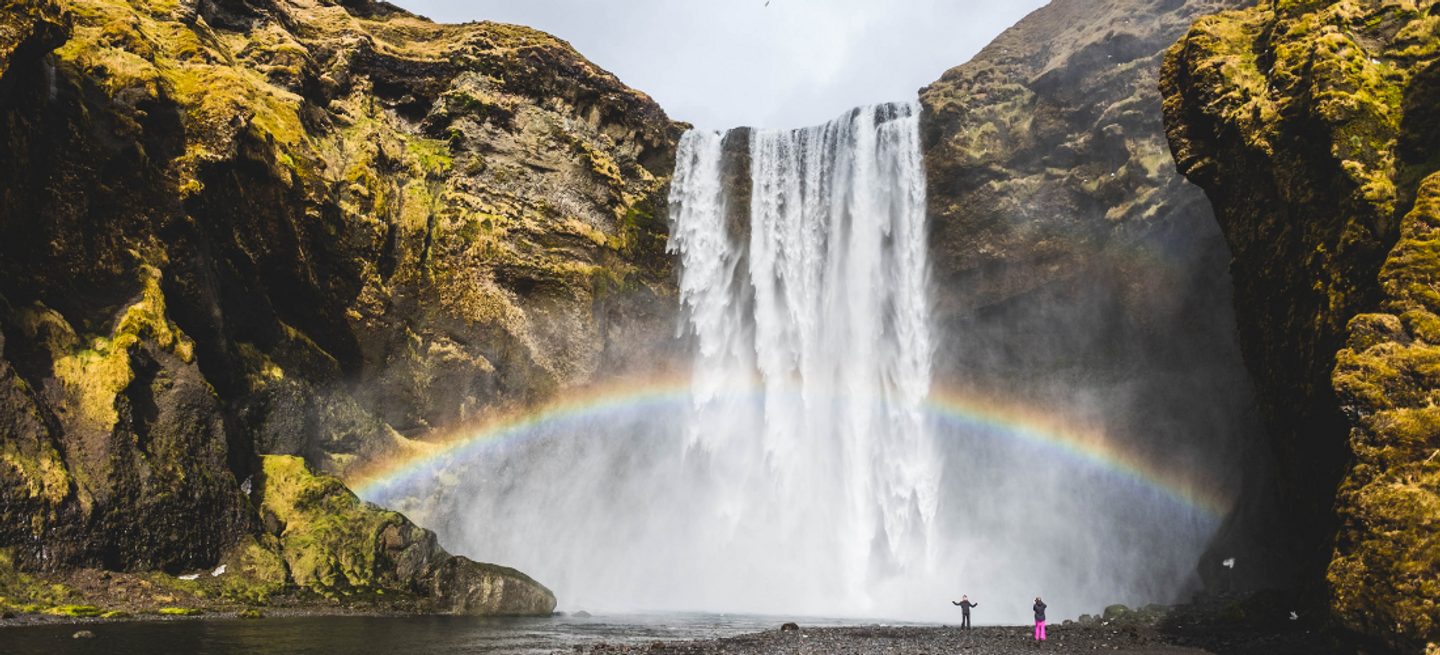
(83, 634)
(986, 640)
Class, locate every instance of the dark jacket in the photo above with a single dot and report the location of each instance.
(1039, 611)
(965, 605)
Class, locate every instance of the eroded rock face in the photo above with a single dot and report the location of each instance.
(337, 545)
(1076, 269)
(465, 587)
(234, 229)
(1312, 127)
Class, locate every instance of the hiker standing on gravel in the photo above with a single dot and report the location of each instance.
(965, 606)
(1039, 619)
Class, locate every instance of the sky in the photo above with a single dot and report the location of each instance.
(725, 63)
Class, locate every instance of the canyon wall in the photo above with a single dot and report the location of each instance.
(1077, 271)
(1313, 128)
(254, 246)
(238, 230)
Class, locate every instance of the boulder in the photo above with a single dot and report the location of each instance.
(462, 586)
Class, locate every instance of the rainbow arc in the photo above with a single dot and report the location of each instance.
(952, 407)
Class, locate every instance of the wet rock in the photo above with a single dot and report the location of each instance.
(328, 530)
(187, 282)
(83, 634)
(1313, 131)
(790, 627)
(464, 587)
(1048, 172)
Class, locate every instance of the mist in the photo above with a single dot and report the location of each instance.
(810, 468)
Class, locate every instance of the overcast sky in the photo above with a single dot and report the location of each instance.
(724, 63)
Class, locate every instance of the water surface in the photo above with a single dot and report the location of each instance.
(356, 635)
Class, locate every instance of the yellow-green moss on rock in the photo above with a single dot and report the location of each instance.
(340, 546)
(1386, 569)
(1312, 127)
(239, 229)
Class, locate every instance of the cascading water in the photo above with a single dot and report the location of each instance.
(821, 308)
(809, 468)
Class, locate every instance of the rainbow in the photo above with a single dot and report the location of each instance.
(955, 407)
(1087, 446)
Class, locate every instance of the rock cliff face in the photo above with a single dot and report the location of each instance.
(1313, 128)
(1076, 269)
(236, 229)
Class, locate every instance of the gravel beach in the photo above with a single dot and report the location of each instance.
(995, 640)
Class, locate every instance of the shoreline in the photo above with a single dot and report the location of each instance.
(35, 619)
(1126, 639)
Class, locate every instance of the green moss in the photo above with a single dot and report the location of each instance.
(332, 541)
(28, 592)
(251, 614)
(116, 614)
(1338, 75)
(74, 610)
(95, 375)
(432, 155)
(181, 611)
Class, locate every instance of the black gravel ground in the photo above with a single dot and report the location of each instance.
(991, 641)
(918, 641)
(1191, 629)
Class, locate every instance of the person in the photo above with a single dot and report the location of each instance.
(965, 606)
(1039, 619)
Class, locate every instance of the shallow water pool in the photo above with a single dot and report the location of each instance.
(359, 635)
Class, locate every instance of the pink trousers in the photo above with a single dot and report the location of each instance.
(1040, 630)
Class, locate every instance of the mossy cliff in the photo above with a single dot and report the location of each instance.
(1314, 128)
(238, 229)
(1076, 269)
(337, 545)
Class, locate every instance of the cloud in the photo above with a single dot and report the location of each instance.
(723, 63)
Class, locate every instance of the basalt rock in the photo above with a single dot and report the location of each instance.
(239, 228)
(1076, 269)
(1312, 128)
(337, 545)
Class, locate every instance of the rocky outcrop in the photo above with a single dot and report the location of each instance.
(330, 230)
(337, 545)
(1312, 128)
(1076, 270)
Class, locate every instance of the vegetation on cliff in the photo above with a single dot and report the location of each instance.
(1312, 127)
(330, 230)
(1074, 267)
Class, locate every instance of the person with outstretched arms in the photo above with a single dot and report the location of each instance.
(965, 606)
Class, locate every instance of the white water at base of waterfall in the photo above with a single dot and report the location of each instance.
(819, 307)
(800, 474)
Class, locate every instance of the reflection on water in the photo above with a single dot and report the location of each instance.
(354, 635)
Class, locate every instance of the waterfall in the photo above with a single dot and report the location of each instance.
(810, 318)
(808, 468)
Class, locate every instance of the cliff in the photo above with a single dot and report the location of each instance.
(1076, 269)
(236, 230)
(1312, 127)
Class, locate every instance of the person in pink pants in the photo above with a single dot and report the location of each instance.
(1039, 619)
